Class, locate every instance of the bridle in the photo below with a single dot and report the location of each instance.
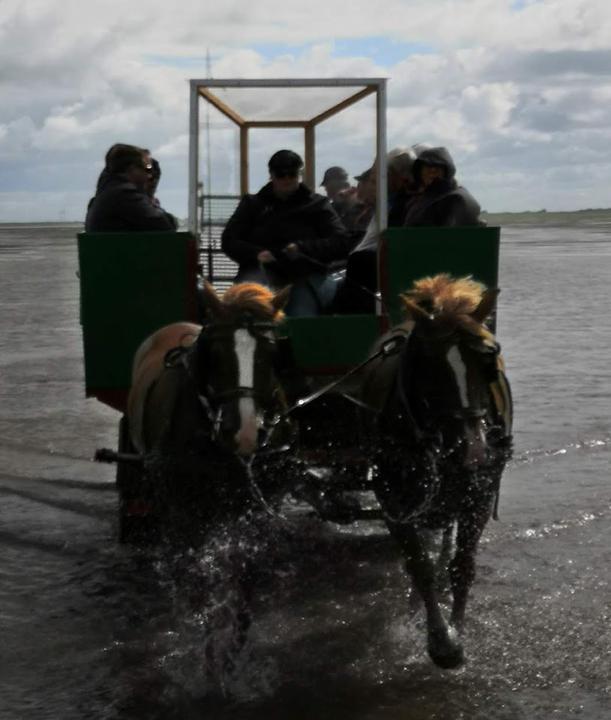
(435, 414)
(425, 427)
(214, 402)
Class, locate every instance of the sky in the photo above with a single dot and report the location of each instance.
(519, 91)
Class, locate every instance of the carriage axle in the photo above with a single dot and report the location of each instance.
(106, 455)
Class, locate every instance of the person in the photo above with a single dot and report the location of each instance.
(361, 208)
(441, 201)
(341, 194)
(356, 292)
(286, 233)
(335, 182)
(401, 183)
(121, 202)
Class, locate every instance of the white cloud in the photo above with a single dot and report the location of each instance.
(505, 89)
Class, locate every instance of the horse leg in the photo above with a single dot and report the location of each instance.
(441, 571)
(444, 647)
(471, 523)
(445, 556)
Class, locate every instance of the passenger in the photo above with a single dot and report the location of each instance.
(105, 172)
(287, 234)
(341, 194)
(401, 187)
(335, 182)
(121, 202)
(357, 217)
(441, 200)
(356, 293)
(401, 184)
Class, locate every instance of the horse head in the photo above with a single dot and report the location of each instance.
(450, 360)
(234, 364)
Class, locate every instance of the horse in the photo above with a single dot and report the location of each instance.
(202, 401)
(439, 442)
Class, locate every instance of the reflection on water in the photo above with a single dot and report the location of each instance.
(93, 629)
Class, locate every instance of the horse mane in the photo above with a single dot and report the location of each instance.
(449, 301)
(251, 298)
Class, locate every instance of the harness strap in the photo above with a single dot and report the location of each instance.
(389, 347)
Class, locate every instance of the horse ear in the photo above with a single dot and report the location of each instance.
(281, 298)
(486, 304)
(414, 310)
(211, 300)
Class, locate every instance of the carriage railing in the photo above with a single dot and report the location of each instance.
(215, 211)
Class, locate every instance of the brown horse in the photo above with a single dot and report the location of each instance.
(441, 440)
(201, 400)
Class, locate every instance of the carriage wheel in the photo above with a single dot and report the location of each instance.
(138, 522)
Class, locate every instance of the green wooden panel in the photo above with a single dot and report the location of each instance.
(131, 285)
(336, 342)
(331, 342)
(408, 254)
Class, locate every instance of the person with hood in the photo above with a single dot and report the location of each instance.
(441, 201)
(122, 201)
(285, 234)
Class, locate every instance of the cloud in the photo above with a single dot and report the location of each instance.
(480, 76)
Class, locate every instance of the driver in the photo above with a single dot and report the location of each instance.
(286, 233)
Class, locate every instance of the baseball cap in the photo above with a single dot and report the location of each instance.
(364, 175)
(285, 161)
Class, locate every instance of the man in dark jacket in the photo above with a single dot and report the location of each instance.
(287, 233)
(121, 202)
(441, 200)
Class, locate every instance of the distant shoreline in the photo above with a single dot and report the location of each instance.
(42, 223)
(574, 218)
(540, 218)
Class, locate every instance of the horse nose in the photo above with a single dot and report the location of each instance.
(247, 436)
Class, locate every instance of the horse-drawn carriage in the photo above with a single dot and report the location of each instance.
(233, 407)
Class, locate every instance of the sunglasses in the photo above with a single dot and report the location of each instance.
(285, 174)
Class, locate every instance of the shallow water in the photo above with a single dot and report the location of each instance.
(94, 630)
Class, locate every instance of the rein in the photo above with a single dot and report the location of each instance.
(389, 347)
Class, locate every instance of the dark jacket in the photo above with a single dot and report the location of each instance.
(444, 202)
(356, 219)
(120, 206)
(397, 207)
(266, 222)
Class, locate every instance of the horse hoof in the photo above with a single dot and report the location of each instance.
(448, 660)
(446, 652)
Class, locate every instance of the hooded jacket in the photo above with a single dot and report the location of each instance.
(120, 206)
(266, 222)
(443, 202)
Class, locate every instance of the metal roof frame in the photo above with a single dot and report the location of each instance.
(200, 88)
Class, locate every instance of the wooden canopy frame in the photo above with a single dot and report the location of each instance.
(204, 89)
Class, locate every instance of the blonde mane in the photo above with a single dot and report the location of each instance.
(448, 301)
(251, 298)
